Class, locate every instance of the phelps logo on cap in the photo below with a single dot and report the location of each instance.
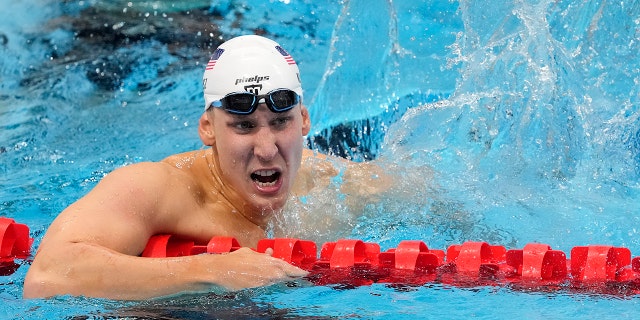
(249, 64)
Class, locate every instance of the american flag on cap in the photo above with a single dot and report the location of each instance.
(286, 55)
(214, 58)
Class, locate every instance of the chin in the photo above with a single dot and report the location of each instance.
(269, 205)
(274, 205)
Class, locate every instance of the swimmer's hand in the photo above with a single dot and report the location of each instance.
(245, 268)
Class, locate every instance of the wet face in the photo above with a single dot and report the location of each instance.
(259, 154)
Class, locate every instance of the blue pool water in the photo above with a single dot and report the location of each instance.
(507, 122)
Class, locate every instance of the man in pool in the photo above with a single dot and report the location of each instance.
(254, 122)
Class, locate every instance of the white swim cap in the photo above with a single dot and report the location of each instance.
(249, 64)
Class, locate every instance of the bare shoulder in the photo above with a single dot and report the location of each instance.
(178, 169)
(188, 159)
(142, 189)
(140, 178)
(176, 181)
(140, 172)
(133, 202)
(158, 188)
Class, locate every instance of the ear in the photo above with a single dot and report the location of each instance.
(205, 129)
(306, 120)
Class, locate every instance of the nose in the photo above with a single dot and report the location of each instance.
(266, 146)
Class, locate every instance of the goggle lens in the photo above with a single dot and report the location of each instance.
(279, 100)
(282, 100)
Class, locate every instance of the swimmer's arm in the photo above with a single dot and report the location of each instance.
(91, 248)
(366, 179)
(104, 273)
(359, 179)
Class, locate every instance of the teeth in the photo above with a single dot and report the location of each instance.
(265, 178)
(265, 173)
(266, 184)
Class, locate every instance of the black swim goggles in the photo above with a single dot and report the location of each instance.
(278, 100)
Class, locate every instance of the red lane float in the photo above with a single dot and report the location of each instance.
(354, 262)
(537, 262)
(14, 240)
(14, 243)
(300, 253)
(167, 245)
(597, 268)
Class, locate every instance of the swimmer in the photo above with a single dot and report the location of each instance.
(254, 122)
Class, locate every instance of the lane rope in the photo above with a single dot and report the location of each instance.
(352, 262)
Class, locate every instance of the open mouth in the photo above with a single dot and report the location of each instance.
(266, 178)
